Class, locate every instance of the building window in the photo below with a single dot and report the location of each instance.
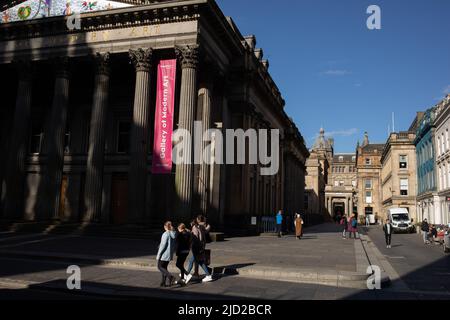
(368, 211)
(368, 184)
(439, 146)
(353, 158)
(403, 162)
(354, 184)
(368, 162)
(341, 159)
(336, 183)
(341, 183)
(404, 186)
(123, 137)
(368, 197)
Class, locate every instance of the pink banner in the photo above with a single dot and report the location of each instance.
(165, 103)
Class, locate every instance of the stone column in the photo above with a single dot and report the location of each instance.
(204, 175)
(55, 140)
(141, 59)
(188, 57)
(94, 168)
(15, 166)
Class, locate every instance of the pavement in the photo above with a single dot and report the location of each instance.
(322, 266)
(320, 257)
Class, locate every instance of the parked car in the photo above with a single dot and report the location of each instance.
(401, 220)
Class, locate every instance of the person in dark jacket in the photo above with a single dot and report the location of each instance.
(198, 250)
(425, 229)
(388, 231)
(183, 248)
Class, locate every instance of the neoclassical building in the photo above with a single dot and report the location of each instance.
(317, 171)
(341, 191)
(368, 166)
(78, 113)
(399, 174)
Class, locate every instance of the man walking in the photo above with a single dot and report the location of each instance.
(279, 223)
(425, 229)
(388, 230)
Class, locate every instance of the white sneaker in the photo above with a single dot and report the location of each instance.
(187, 278)
(207, 279)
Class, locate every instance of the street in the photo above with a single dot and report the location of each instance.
(424, 269)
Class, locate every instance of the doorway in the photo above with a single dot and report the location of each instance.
(119, 199)
(62, 198)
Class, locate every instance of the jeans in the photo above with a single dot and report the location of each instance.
(388, 239)
(162, 267)
(181, 259)
(279, 229)
(201, 264)
(425, 236)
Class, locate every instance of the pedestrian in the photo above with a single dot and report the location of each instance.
(344, 224)
(433, 233)
(425, 229)
(298, 223)
(279, 218)
(198, 248)
(388, 231)
(165, 254)
(367, 221)
(183, 248)
(352, 226)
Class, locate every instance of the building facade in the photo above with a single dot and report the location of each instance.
(78, 116)
(341, 191)
(317, 174)
(368, 166)
(428, 202)
(442, 143)
(399, 174)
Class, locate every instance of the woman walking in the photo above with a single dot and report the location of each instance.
(165, 254)
(344, 224)
(183, 248)
(352, 226)
(298, 226)
(198, 249)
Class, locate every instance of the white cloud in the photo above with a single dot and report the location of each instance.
(335, 72)
(342, 133)
(338, 133)
(447, 90)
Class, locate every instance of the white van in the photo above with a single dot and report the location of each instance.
(401, 220)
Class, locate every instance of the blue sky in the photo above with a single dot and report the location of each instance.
(333, 71)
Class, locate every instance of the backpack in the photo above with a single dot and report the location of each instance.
(354, 223)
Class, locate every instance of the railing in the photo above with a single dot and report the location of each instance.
(268, 225)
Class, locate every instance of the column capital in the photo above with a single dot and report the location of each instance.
(61, 65)
(188, 56)
(141, 58)
(102, 66)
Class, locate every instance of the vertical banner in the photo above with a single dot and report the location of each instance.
(165, 104)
